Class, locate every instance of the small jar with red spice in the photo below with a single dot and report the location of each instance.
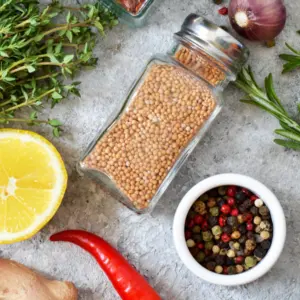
(132, 12)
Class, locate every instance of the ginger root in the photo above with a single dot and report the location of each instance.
(20, 283)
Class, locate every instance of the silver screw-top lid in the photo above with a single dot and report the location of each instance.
(198, 32)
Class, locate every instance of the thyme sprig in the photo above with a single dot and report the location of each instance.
(38, 54)
(267, 99)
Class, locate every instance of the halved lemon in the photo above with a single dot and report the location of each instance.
(33, 181)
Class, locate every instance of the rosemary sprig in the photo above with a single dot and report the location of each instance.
(292, 60)
(38, 54)
(268, 100)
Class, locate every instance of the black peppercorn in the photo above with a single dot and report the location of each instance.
(213, 193)
(194, 251)
(221, 203)
(240, 196)
(247, 203)
(250, 235)
(227, 229)
(229, 261)
(220, 260)
(254, 210)
(266, 244)
(242, 239)
(232, 221)
(211, 265)
(259, 252)
(242, 208)
(212, 221)
(197, 238)
(208, 259)
(223, 245)
(242, 228)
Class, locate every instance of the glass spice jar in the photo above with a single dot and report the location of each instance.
(132, 12)
(165, 114)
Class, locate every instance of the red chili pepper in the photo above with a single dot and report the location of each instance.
(129, 284)
(223, 11)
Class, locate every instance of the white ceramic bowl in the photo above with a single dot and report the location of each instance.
(279, 229)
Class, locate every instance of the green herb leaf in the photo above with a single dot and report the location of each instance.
(68, 58)
(56, 96)
(288, 144)
(55, 123)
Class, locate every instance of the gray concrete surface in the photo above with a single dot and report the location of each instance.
(239, 141)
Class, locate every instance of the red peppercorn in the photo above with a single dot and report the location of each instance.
(198, 219)
(200, 246)
(225, 270)
(248, 217)
(222, 221)
(225, 208)
(246, 192)
(204, 226)
(191, 224)
(239, 260)
(235, 212)
(231, 191)
(207, 252)
(188, 234)
(231, 201)
(253, 198)
(249, 226)
(225, 237)
(223, 11)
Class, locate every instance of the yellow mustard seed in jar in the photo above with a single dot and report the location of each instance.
(139, 150)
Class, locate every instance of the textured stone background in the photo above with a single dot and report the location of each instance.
(240, 141)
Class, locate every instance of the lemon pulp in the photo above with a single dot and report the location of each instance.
(33, 180)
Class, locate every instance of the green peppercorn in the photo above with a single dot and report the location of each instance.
(211, 202)
(264, 211)
(217, 237)
(222, 190)
(196, 229)
(236, 235)
(231, 270)
(190, 243)
(191, 214)
(216, 249)
(219, 269)
(231, 253)
(197, 238)
(239, 268)
(265, 225)
(223, 252)
(257, 220)
(236, 246)
(218, 2)
(232, 221)
(200, 257)
(204, 197)
(216, 230)
(200, 207)
(250, 261)
(207, 236)
(214, 211)
(258, 229)
(250, 245)
(209, 245)
(265, 235)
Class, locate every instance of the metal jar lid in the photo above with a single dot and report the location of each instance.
(200, 33)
